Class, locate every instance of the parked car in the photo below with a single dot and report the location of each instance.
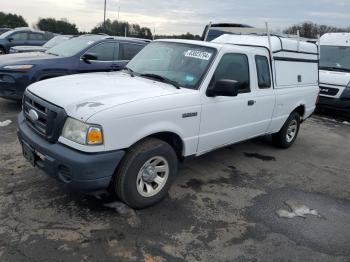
(4, 29)
(49, 44)
(126, 131)
(212, 31)
(335, 71)
(22, 36)
(89, 53)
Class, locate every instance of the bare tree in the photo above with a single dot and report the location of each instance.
(312, 30)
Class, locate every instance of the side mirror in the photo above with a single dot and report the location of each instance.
(224, 87)
(88, 57)
(10, 39)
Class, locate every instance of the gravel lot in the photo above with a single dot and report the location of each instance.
(222, 206)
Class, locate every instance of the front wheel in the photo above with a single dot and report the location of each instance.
(289, 132)
(146, 173)
(2, 51)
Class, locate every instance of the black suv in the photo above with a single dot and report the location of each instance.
(88, 53)
(22, 36)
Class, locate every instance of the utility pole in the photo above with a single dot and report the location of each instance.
(118, 12)
(104, 17)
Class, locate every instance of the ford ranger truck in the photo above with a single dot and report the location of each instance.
(126, 131)
(335, 72)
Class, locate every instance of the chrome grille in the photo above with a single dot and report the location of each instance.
(50, 118)
(329, 91)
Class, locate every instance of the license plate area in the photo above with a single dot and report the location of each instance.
(29, 153)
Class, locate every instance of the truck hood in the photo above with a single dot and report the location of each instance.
(334, 78)
(83, 95)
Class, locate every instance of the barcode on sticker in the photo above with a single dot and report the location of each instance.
(198, 54)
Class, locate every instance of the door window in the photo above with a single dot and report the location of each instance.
(128, 51)
(234, 67)
(104, 51)
(263, 71)
(19, 36)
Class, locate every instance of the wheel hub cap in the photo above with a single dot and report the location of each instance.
(149, 174)
(152, 176)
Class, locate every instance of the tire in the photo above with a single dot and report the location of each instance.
(2, 51)
(289, 132)
(137, 182)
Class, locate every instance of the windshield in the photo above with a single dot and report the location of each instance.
(183, 64)
(335, 58)
(6, 34)
(55, 41)
(71, 47)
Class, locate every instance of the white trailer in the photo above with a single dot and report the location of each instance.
(335, 71)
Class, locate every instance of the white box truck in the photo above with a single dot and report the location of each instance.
(335, 71)
(126, 131)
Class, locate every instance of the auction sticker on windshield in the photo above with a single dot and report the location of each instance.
(198, 54)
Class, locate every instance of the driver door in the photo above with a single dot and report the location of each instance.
(226, 120)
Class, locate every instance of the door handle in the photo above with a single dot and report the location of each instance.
(251, 102)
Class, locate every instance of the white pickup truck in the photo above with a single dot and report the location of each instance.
(126, 131)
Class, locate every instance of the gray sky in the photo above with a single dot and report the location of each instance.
(181, 16)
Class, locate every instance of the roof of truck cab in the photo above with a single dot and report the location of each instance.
(335, 39)
(254, 49)
(191, 42)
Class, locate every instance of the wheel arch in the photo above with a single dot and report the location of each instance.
(170, 137)
(300, 109)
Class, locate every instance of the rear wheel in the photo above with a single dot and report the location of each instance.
(289, 132)
(2, 51)
(146, 173)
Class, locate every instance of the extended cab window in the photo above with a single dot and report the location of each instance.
(263, 70)
(104, 51)
(234, 67)
(128, 51)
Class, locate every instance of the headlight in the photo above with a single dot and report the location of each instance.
(18, 67)
(82, 133)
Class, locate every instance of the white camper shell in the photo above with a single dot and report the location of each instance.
(295, 62)
(335, 71)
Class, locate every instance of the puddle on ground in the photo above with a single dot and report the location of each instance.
(260, 157)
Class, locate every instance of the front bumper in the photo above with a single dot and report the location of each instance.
(13, 84)
(341, 104)
(81, 171)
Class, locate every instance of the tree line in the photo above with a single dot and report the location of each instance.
(122, 28)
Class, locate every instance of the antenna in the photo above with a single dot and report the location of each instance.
(298, 45)
(269, 39)
(207, 32)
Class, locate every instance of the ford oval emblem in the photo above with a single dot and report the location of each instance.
(33, 115)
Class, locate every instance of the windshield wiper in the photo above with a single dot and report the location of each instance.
(52, 54)
(162, 78)
(130, 71)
